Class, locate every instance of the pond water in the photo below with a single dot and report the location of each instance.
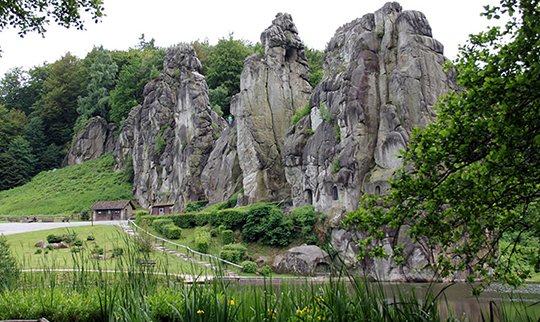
(457, 300)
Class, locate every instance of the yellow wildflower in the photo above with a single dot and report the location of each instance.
(231, 302)
(200, 312)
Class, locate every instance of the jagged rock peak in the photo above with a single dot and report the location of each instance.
(182, 57)
(92, 142)
(282, 33)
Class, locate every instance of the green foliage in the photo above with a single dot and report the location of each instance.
(266, 270)
(16, 91)
(193, 206)
(159, 223)
(300, 113)
(141, 67)
(18, 163)
(249, 267)
(220, 99)
(90, 238)
(117, 252)
(225, 64)
(304, 219)
(336, 166)
(227, 236)
(265, 223)
(34, 17)
(101, 79)
(325, 113)
(57, 106)
(202, 239)
(171, 231)
(9, 269)
(474, 172)
(54, 238)
(233, 253)
(69, 190)
(315, 60)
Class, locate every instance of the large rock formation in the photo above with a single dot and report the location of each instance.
(385, 73)
(96, 139)
(170, 137)
(273, 87)
(303, 260)
(222, 176)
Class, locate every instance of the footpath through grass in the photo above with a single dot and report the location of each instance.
(68, 190)
(102, 247)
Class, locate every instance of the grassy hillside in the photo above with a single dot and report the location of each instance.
(68, 190)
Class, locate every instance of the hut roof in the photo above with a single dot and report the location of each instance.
(116, 204)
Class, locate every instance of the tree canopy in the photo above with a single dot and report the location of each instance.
(34, 16)
(471, 179)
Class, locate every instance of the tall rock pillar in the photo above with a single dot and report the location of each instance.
(272, 88)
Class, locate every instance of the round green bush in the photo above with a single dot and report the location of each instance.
(249, 267)
(266, 270)
(227, 236)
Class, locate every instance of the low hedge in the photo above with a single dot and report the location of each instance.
(233, 253)
(158, 224)
(202, 240)
(227, 236)
(171, 231)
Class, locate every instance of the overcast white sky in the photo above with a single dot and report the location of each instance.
(172, 21)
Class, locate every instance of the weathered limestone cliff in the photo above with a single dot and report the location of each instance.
(96, 139)
(384, 75)
(170, 137)
(272, 87)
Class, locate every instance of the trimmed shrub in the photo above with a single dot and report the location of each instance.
(202, 218)
(184, 220)
(227, 236)
(265, 223)
(78, 243)
(266, 270)
(233, 218)
(117, 252)
(51, 239)
(158, 224)
(171, 231)
(249, 267)
(202, 240)
(233, 252)
(90, 237)
(195, 205)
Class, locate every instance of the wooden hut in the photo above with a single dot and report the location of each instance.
(113, 210)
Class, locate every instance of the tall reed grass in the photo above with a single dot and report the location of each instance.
(134, 291)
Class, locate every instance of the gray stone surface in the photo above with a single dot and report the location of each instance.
(302, 260)
(96, 139)
(272, 87)
(222, 176)
(170, 137)
(383, 75)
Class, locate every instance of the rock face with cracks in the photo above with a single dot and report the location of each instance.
(384, 74)
(93, 141)
(272, 87)
(169, 138)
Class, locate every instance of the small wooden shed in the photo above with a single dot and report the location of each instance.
(113, 210)
(162, 209)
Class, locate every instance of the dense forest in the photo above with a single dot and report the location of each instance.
(42, 108)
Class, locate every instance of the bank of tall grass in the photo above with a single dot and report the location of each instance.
(69, 190)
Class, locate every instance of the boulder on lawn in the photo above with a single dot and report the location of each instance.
(303, 260)
(41, 244)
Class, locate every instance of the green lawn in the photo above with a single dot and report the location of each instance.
(106, 237)
(68, 190)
